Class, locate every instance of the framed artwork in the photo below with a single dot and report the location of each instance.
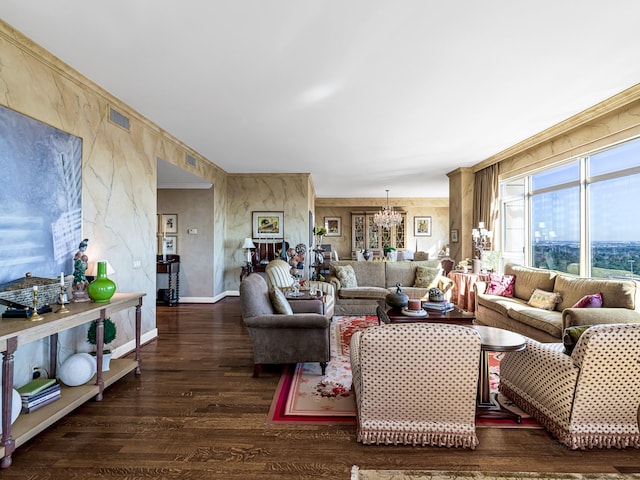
(422, 226)
(41, 197)
(268, 225)
(168, 245)
(333, 225)
(168, 223)
(454, 236)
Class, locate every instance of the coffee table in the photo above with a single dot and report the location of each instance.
(454, 317)
(494, 340)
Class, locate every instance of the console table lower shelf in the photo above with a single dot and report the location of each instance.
(28, 425)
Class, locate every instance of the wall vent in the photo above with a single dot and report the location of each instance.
(191, 161)
(118, 118)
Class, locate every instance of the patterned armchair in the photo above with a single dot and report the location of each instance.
(279, 275)
(416, 384)
(589, 399)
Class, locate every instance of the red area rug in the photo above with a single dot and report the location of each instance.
(304, 396)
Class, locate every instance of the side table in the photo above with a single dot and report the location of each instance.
(462, 294)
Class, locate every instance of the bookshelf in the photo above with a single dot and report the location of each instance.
(16, 332)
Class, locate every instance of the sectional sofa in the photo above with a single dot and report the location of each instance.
(376, 279)
(620, 303)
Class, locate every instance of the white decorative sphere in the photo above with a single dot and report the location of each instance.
(77, 369)
(16, 406)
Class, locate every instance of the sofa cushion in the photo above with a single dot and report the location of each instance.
(615, 293)
(347, 276)
(544, 300)
(363, 292)
(367, 273)
(404, 273)
(279, 301)
(529, 278)
(589, 301)
(548, 321)
(502, 285)
(497, 303)
(426, 277)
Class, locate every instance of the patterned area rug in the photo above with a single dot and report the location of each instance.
(304, 396)
(357, 474)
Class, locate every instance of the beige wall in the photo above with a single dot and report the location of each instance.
(288, 193)
(195, 211)
(119, 177)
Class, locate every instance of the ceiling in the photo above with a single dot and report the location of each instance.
(366, 95)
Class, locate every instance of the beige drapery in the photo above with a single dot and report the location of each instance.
(485, 197)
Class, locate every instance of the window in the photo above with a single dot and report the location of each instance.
(577, 217)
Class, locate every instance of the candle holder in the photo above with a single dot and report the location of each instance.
(62, 309)
(35, 316)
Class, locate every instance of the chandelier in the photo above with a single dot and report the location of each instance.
(387, 218)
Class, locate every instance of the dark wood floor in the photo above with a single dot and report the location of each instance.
(196, 413)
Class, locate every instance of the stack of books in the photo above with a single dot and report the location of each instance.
(38, 393)
(438, 306)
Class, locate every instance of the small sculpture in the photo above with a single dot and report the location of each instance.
(80, 265)
(397, 300)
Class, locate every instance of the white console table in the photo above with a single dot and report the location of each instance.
(15, 332)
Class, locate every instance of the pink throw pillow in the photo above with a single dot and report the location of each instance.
(590, 301)
(502, 285)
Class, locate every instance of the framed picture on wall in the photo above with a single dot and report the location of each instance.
(454, 236)
(268, 225)
(333, 225)
(422, 226)
(168, 223)
(170, 246)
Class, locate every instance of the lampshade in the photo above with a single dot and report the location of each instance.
(92, 270)
(248, 243)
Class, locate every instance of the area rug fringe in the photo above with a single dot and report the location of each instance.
(360, 474)
(443, 439)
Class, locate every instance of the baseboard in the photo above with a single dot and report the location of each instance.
(130, 346)
(217, 298)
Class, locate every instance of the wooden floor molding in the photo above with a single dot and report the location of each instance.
(197, 413)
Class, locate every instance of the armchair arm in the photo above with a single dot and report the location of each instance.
(300, 320)
(480, 287)
(333, 280)
(306, 306)
(572, 317)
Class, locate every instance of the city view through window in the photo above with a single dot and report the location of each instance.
(582, 213)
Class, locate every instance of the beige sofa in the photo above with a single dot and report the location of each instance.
(375, 280)
(620, 303)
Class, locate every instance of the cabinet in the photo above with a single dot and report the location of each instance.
(367, 235)
(170, 266)
(16, 332)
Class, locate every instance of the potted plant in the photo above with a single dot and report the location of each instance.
(109, 336)
(319, 232)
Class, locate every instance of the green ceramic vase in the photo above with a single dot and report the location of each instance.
(102, 288)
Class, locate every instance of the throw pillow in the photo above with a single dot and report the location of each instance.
(347, 276)
(279, 301)
(571, 336)
(502, 285)
(545, 300)
(589, 301)
(425, 276)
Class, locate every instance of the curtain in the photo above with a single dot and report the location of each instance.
(485, 197)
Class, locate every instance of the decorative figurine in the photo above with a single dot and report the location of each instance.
(80, 282)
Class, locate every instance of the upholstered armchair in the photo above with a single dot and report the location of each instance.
(416, 384)
(279, 275)
(301, 336)
(589, 399)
